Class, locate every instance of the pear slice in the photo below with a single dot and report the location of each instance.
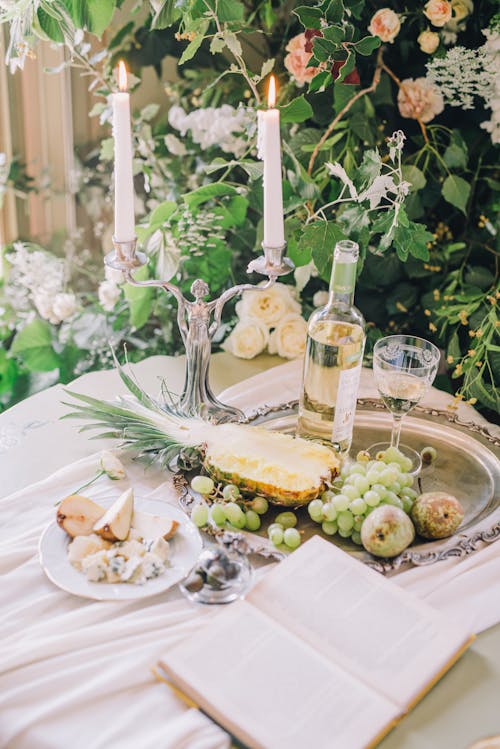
(114, 525)
(77, 515)
(153, 526)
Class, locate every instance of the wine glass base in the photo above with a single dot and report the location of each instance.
(219, 576)
(408, 452)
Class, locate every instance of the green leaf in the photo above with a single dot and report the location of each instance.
(95, 15)
(347, 67)
(166, 15)
(366, 45)
(162, 213)
(333, 10)
(33, 345)
(456, 191)
(50, 26)
(298, 110)
(334, 34)
(479, 276)
(140, 299)
(414, 176)
(208, 192)
(195, 44)
(8, 371)
(455, 157)
(412, 239)
(217, 44)
(233, 43)
(230, 10)
(320, 81)
(323, 48)
(237, 208)
(320, 238)
(310, 18)
(107, 149)
(485, 393)
(121, 35)
(370, 167)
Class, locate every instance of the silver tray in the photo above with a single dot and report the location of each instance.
(467, 465)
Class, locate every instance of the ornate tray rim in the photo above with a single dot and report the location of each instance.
(456, 546)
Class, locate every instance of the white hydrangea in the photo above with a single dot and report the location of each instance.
(492, 51)
(462, 74)
(225, 127)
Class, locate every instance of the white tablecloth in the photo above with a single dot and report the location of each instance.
(76, 673)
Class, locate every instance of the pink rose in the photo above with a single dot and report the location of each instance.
(385, 24)
(419, 99)
(428, 41)
(438, 12)
(297, 59)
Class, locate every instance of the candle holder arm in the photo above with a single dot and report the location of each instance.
(229, 294)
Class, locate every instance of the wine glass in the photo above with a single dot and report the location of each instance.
(404, 367)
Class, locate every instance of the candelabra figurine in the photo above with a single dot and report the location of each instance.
(198, 321)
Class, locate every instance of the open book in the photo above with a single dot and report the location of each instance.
(323, 653)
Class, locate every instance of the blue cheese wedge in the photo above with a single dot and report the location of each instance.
(130, 561)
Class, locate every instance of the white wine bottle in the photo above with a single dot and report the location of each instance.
(333, 358)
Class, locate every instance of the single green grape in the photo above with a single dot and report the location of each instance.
(345, 533)
(217, 513)
(231, 492)
(351, 491)
(328, 495)
(406, 464)
(286, 519)
(260, 505)
(395, 487)
(388, 477)
(329, 527)
(358, 506)
(371, 498)
(199, 515)
(428, 454)
(337, 482)
(329, 512)
(341, 502)
(202, 484)
(380, 489)
(356, 538)
(276, 536)
(407, 504)
(393, 455)
(409, 492)
(357, 468)
(252, 520)
(362, 484)
(405, 480)
(315, 510)
(235, 514)
(273, 526)
(392, 499)
(291, 537)
(345, 521)
(358, 522)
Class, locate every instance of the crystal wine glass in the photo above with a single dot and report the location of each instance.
(404, 367)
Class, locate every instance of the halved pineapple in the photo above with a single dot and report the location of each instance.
(287, 471)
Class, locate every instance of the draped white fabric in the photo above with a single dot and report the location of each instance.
(76, 673)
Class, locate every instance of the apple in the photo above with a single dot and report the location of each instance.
(114, 525)
(77, 515)
(153, 526)
(387, 531)
(437, 514)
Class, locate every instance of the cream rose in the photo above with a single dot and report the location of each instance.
(64, 306)
(428, 41)
(268, 306)
(108, 294)
(438, 12)
(320, 298)
(247, 339)
(419, 99)
(288, 339)
(385, 24)
(297, 59)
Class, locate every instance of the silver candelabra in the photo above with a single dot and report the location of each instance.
(198, 321)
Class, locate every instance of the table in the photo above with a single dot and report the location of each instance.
(463, 707)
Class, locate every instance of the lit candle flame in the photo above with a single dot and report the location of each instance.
(271, 93)
(122, 76)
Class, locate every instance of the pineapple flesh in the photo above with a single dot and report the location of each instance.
(285, 470)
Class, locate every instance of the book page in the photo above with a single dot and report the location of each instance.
(271, 690)
(380, 633)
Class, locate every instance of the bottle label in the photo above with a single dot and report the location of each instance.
(345, 406)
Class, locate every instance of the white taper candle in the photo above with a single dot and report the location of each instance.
(270, 152)
(124, 181)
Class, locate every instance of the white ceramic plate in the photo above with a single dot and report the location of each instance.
(185, 547)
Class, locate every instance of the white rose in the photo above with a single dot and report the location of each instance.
(64, 306)
(320, 298)
(108, 293)
(428, 41)
(43, 303)
(247, 339)
(385, 24)
(288, 339)
(268, 306)
(438, 12)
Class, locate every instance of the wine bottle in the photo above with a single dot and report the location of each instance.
(333, 358)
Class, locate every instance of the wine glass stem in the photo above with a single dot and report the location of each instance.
(396, 430)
